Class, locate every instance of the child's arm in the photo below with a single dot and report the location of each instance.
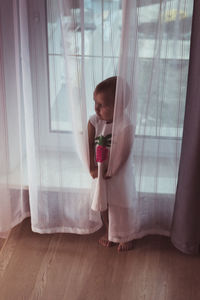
(91, 137)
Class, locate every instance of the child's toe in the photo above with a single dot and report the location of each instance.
(125, 246)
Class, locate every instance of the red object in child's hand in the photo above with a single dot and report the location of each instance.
(101, 153)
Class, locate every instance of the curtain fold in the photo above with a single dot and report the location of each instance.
(185, 231)
(59, 194)
(75, 80)
(14, 202)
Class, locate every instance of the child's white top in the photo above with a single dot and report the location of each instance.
(103, 136)
(116, 190)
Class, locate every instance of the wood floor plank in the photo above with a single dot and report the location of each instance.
(2, 241)
(8, 249)
(76, 267)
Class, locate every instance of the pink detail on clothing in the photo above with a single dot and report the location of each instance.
(101, 153)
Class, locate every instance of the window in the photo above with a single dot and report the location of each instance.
(101, 51)
(162, 128)
(166, 114)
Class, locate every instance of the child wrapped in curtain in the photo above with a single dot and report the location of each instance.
(113, 196)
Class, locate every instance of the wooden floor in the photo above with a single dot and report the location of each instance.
(2, 241)
(69, 266)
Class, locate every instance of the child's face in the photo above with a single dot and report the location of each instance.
(104, 108)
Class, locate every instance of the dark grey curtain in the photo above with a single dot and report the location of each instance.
(185, 230)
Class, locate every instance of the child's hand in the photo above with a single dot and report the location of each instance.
(104, 175)
(94, 172)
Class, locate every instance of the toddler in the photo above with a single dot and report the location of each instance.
(100, 136)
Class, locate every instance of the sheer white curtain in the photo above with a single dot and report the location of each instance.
(14, 205)
(45, 106)
(163, 47)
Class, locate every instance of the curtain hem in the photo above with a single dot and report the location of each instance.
(5, 234)
(186, 248)
(66, 230)
(139, 235)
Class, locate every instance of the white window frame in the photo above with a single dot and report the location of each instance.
(40, 79)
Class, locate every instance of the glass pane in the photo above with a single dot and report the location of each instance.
(164, 46)
(112, 23)
(58, 101)
(59, 104)
(163, 113)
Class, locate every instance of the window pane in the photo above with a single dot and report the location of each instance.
(163, 45)
(59, 113)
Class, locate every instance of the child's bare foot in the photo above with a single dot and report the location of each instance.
(125, 246)
(105, 242)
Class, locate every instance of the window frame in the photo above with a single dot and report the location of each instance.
(39, 44)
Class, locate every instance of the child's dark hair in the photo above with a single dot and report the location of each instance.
(108, 87)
